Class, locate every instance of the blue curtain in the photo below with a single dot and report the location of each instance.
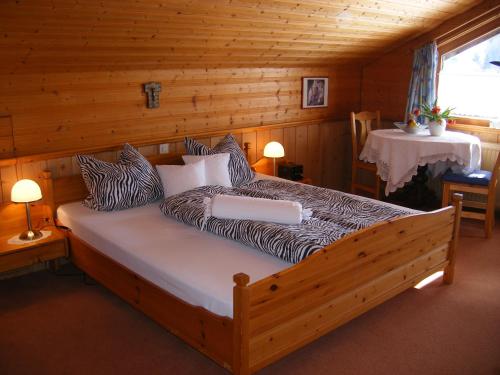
(423, 79)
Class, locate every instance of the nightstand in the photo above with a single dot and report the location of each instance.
(265, 166)
(47, 249)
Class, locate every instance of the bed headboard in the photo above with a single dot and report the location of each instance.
(57, 191)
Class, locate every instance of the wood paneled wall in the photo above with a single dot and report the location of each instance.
(386, 80)
(320, 146)
(78, 111)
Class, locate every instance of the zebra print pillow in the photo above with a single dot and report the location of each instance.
(131, 182)
(239, 169)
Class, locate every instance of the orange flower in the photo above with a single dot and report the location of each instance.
(416, 112)
(434, 113)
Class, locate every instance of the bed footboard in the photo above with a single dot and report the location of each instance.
(209, 333)
(285, 311)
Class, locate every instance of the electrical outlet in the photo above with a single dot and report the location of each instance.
(164, 148)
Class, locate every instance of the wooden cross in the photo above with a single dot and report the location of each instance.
(153, 90)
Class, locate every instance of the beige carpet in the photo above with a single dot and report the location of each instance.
(58, 325)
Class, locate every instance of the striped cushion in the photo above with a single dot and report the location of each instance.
(239, 169)
(131, 182)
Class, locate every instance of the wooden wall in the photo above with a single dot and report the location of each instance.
(46, 118)
(78, 111)
(322, 147)
(386, 80)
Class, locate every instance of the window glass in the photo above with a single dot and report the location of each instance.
(469, 82)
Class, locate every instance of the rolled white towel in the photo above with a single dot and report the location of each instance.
(258, 209)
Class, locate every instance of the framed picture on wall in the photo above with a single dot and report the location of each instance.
(314, 92)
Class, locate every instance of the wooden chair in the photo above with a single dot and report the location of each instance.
(358, 138)
(478, 182)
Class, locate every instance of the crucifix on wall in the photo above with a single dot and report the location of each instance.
(152, 90)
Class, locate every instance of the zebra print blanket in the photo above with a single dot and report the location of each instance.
(335, 214)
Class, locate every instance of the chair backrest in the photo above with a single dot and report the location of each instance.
(368, 121)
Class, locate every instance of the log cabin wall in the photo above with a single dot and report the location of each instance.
(58, 114)
(91, 110)
(322, 147)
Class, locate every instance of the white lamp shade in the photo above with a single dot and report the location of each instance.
(274, 150)
(25, 191)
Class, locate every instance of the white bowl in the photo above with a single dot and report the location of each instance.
(407, 129)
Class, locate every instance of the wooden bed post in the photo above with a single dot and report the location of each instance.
(449, 271)
(241, 307)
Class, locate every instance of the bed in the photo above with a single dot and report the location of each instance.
(285, 306)
(170, 254)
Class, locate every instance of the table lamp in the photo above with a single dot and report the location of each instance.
(27, 191)
(274, 150)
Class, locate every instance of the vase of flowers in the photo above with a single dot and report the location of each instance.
(437, 118)
(437, 128)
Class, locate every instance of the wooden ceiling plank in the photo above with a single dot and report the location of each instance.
(71, 35)
(203, 14)
(158, 23)
(63, 39)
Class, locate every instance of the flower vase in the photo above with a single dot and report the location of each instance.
(437, 128)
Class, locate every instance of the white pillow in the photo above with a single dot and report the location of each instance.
(216, 168)
(177, 179)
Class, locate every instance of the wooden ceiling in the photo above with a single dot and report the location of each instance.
(88, 35)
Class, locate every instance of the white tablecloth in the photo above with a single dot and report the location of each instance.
(398, 154)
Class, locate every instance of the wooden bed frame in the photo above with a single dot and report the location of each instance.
(283, 312)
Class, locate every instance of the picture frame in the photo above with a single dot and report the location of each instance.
(314, 92)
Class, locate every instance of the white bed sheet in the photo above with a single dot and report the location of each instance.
(196, 266)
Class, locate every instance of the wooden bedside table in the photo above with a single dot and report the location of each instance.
(46, 249)
(265, 166)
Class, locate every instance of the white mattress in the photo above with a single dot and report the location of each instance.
(196, 266)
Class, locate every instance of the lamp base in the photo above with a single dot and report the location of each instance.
(30, 235)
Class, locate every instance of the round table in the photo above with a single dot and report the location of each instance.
(398, 154)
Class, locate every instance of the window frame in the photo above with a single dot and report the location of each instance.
(473, 32)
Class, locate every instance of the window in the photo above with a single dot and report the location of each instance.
(469, 82)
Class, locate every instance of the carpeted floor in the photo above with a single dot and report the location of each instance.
(58, 325)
